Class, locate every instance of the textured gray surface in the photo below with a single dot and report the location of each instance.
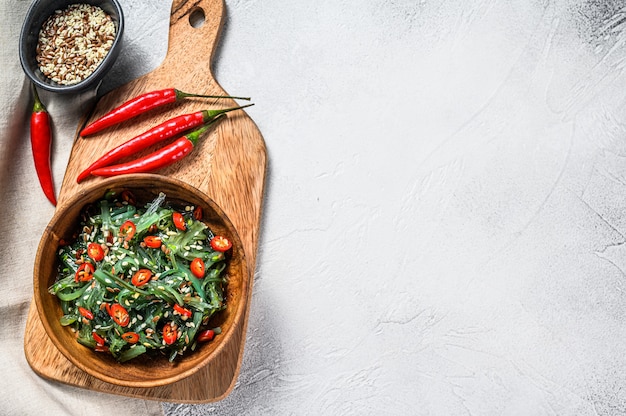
(444, 226)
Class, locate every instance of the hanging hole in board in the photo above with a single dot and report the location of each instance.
(197, 18)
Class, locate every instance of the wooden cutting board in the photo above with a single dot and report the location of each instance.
(229, 165)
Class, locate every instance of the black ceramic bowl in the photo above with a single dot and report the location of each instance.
(39, 11)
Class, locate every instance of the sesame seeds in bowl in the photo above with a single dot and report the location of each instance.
(68, 46)
(73, 41)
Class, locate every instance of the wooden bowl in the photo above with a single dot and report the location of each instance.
(143, 371)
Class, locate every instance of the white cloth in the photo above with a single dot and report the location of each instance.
(26, 212)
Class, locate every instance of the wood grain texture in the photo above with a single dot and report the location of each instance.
(229, 165)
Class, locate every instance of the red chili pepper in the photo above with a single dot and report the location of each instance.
(152, 241)
(141, 277)
(179, 221)
(96, 337)
(41, 141)
(158, 159)
(198, 213)
(95, 251)
(206, 335)
(142, 104)
(84, 273)
(85, 312)
(128, 230)
(220, 243)
(130, 337)
(163, 131)
(170, 333)
(101, 348)
(182, 310)
(119, 314)
(197, 267)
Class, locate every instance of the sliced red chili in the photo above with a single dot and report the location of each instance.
(179, 221)
(130, 337)
(99, 340)
(183, 311)
(95, 251)
(170, 333)
(101, 348)
(119, 314)
(85, 312)
(197, 267)
(127, 230)
(221, 243)
(152, 241)
(141, 277)
(198, 213)
(85, 272)
(206, 335)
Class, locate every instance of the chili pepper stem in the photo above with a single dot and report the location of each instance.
(194, 136)
(38, 106)
(181, 94)
(209, 114)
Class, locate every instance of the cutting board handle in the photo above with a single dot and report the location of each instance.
(195, 26)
